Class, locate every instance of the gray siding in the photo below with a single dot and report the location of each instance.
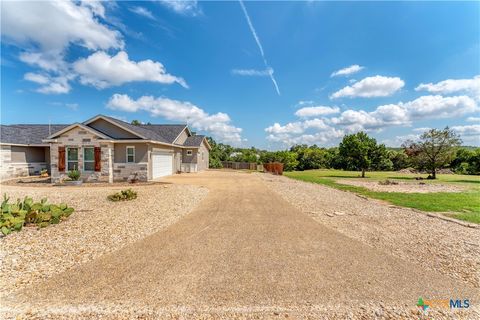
(190, 159)
(120, 152)
(23, 154)
(111, 130)
(203, 161)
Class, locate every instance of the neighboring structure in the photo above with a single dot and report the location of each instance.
(102, 149)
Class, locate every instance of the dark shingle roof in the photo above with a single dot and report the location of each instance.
(168, 131)
(28, 133)
(194, 141)
(159, 132)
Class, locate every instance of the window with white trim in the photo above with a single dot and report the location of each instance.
(189, 152)
(88, 159)
(130, 154)
(72, 159)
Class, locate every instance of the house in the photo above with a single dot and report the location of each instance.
(102, 149)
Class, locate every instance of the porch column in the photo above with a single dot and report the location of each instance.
(110, 165)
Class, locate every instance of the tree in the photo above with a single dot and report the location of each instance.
(136, 122)
(467, 161)
(435, 149)
(399, 159)
(360, 152)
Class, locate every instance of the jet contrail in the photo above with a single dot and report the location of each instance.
(260, 47)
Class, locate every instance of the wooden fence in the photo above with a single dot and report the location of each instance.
(239, 165)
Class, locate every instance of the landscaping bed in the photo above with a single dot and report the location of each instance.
(400, 186)
(98, 226)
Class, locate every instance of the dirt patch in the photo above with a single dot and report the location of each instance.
(401, 186)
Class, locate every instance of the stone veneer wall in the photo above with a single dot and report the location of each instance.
(10, 170)
(127, 171)
(78, 138)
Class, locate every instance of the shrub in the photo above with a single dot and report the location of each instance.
(74, 175)
(123, 195)
(15, 215)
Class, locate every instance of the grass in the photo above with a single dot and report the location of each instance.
(460, 205)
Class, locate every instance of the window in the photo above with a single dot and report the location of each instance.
(130, 154)
(88, 159)
(202, 156)
(72, 159)
(189, 152)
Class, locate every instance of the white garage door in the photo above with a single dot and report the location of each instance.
(162, 165)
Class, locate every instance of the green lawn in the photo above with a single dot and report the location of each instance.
(461, 205)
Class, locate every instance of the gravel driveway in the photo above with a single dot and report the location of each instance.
(243, 252)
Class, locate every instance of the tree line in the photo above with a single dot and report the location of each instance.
(433, 150)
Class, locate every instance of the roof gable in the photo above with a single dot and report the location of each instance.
(113, 130)
(75, 125)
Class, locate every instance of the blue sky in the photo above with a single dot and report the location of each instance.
(268, 74)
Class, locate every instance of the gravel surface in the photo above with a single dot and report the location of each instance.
(97, 226)
(435, 244)
(404, 187)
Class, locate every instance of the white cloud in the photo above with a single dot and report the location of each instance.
(316, 111)
(102, 70)
(347, 71)
(54, 25)
(144, 12)
(469, 86)
(45, 30)
(377, 86)
(289, 128)
(49, 84)
(421, 130)
(473, 119)
(36, 77)
(401, 114)
(49, 61)
(436, 107)
(260, 47)
(308, 131)
(327, 135)
(218, 124)
(384, 116)
(185, 7)
(252, 72)
(470, 134)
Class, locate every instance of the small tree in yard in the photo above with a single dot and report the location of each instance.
(434, 149)
(360, 152)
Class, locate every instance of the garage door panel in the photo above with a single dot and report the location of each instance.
(162, 165)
